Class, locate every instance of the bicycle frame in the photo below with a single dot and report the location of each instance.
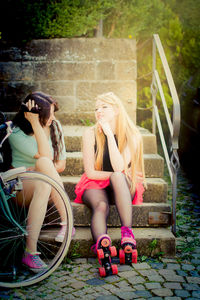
(6, 210)
(3, 197)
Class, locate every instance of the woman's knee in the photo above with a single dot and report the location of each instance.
(102, 207)
(43, 162)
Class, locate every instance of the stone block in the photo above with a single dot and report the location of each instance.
(154, 165)
(66, 103)
(58, 88)
(81, 49)
(64, 71)
(125, 70)
(105, 70)
(156, 191)
(77, 118)
(16, 71)
(82, 215)
(10, 54)
(126, 91)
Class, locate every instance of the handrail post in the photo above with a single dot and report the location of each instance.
(153, 85)
(172, 164)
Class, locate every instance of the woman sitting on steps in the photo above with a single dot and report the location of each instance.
(114, 168)
(37, 143)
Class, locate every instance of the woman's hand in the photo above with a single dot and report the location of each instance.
(30, 116)
(105, 127)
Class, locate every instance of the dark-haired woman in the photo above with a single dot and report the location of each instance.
(37, 143)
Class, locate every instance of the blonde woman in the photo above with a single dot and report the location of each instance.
(114, 168)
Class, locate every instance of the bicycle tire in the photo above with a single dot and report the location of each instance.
(26, 278)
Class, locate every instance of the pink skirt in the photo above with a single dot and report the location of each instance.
(85, 184)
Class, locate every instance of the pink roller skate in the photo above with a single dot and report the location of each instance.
(104, 253)
(128, 254)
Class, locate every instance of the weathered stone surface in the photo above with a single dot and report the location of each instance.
(58, 88)
(87, 67)
(106, 70)
(76, 118)
(82, 214)
(144, 236)
(79, 279)
(126, 70)
(10, 71)
(63, 71)
(73, 137)
(81, 49)
(156, 189)
(153, 163)
(162, 292)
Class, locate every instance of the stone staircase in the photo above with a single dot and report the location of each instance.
(151, 221)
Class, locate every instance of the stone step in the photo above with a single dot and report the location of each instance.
(73, 138)
(156, 189)
(76, 118)
(153, 163)
(145, 215)
(149, 241)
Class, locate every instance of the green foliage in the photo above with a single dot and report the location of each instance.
(51, 18)
(87, 122)
(75, 251)
(176, 22)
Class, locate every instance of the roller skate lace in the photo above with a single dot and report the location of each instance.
(127, 236)
(127, 232)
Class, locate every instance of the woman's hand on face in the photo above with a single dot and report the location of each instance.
(30, 116)
(104, 126)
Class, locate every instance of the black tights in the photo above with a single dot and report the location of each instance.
(98, 201)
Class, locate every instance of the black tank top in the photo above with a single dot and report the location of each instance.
(106, 157)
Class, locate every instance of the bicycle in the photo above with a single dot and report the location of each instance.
(13, 231)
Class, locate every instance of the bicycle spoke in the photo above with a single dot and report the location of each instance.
(13, 240)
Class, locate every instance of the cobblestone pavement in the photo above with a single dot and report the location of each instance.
(155, 278)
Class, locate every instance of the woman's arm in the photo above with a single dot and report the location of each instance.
(116, 157)
(89, 157)
(40, 136)
(60, 165)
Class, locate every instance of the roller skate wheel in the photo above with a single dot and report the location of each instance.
(134, 256)
(100, 253)
(113, 251)
(121, 257)
(105, 242)
(128, 249)
(114, 269)
(102, 272)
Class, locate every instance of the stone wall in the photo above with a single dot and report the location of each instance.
(74, 71)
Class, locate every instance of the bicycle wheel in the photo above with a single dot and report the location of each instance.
(13, 240)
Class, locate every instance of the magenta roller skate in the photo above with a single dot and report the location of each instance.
(128, 254)
(104, 253)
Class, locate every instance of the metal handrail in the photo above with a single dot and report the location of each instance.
(172, 159)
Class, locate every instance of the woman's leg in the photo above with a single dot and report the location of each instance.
(36, 194)
(37, 197)
(97, 200)
(122, 197)
(46, 166)
(36, 214)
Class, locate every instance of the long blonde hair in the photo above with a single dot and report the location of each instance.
(127, 134)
